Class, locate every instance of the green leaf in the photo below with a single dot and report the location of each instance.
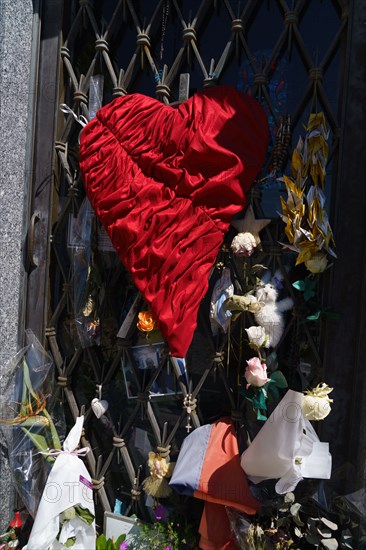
(37, 421)
(315, 316)
(68, 514)
(261, 399)
(294, 510)
(289, 497)
(299, 285)
(284, 508)
(39, 441)
(279, 379)
(308, 294)
(347, 536)
(70, 542)
(329, 524)
(257, 267)
(331, 544)
(273, 392)
(272, 362)
(110, 545)
(298, 521)
(324, 532)
(261, 416)
(312, 539)
(56, 443)
(84, 514)
(119, 541)
(27, 388)
(283, 522)
(298, 533)
(101, 543)
(27, 380)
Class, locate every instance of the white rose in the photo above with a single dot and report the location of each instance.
(243, 244)
(317, 263)
(257, 336)
(315, 408)
(316, 403)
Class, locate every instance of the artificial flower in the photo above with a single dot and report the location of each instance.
(17, 521)
(256, 372)
(243, 244)
(146, 321)
(316, 403)
(257, 336)
(160, 512)
(248, 302)
(317, 263)
(269, 389)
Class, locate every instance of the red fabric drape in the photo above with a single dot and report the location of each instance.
(166, 182)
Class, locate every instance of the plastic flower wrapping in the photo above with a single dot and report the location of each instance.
(287, 448)
(87, 278)
(31, 419)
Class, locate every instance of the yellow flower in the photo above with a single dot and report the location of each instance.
(146, 322)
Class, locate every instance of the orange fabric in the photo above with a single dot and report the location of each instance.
(215, 529)
(222, 479)
(222, 483)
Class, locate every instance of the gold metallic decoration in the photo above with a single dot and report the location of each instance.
(307, 226)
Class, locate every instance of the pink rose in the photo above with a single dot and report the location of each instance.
(256, 372)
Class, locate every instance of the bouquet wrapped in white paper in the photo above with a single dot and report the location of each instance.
(287, 448)
(65, 517)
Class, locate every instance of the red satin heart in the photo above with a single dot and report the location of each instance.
(166, 182)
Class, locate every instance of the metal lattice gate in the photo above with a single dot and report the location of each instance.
(292, 61)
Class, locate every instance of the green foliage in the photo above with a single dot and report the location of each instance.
(157, 536)
(307, 286)
(170, 534)
(271, 390)
(287, 524)
(109, 544)
(69, 514)
(84, 514)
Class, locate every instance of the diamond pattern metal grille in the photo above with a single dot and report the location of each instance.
(290, 56)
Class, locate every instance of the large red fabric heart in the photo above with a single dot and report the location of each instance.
(166, 182)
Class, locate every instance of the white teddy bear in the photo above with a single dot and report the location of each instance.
(270, 316)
